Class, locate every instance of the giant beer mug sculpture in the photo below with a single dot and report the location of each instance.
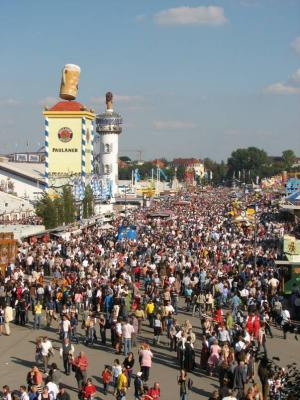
(69, 82)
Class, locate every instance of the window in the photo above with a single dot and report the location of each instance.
(107, 169)
(107, 148)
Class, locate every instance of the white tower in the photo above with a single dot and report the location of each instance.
(109, 126)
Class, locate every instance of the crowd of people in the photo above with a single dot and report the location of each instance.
(198, 264)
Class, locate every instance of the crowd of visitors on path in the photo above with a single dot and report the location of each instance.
(197, 263)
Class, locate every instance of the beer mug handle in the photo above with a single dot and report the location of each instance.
(63, 76)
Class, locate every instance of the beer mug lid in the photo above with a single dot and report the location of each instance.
(72, 66)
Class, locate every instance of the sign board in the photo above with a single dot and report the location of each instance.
(8, 250)
(291, 245)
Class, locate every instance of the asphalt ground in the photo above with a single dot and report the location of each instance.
(17, 356)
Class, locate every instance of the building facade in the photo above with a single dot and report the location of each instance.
(69, 137)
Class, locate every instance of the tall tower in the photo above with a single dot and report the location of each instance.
(69, 135)
(68, 143)
(109, 126)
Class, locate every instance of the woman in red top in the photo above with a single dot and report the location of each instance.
(256, 325)
(153, 393)
(106, 378)
(249, 324)
(218, 316)
(89, 390)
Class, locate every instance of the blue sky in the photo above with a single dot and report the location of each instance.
(191, 78)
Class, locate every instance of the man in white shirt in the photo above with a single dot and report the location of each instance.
(127, 331)
(66, 327)
(286, 320)
(46, 348)
(273, 282)
(53, 389)
(240, 345)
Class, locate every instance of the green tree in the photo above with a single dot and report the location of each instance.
(248, 163)
(59, 210)
(125, 173)
(68, 205)
(170, 173)
(125, 159)
(45, 209)
(88, 202)
(288, 158)
(180, 173)
(219, 170)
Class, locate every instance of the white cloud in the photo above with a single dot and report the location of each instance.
(296, 44)
(48, 101)
(281, 88)
(117, 98)
(210, 15)
(173, 124)
(9, 102)
(290, 86)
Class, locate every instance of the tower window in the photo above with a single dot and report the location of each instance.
(107, 169)
(107, 148)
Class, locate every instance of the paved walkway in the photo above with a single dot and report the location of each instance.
(17, 357)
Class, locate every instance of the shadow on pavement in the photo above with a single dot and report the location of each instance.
(25, 363)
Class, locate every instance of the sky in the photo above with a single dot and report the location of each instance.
(191, 78)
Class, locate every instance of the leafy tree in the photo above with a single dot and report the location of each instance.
(219, 170)
(125, 173)
(45, 209)
(125, 159)
(288, 158)
(59, 210)
(88, 202)
(170, 173)
(180, 173)
(250, 159)
(68, 205)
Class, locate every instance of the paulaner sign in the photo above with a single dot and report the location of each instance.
(64, 150)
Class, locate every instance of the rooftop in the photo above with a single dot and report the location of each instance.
(186, 161)
(10, 203)
(67, 106)
(33, 171)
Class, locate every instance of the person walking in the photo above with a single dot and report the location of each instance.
(127, 331)
(88, 390)
(122, 385)
(106, 378)
(240, 378)
(285, 321)
(138, 386)
(66, 352)
(8, 317)
(128, 363)
(80, 364)
(46, 351)
(145, 356)
(38, 308)
(183, 382)
(157, 329)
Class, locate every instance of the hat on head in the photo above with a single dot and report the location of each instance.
(139, 373)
